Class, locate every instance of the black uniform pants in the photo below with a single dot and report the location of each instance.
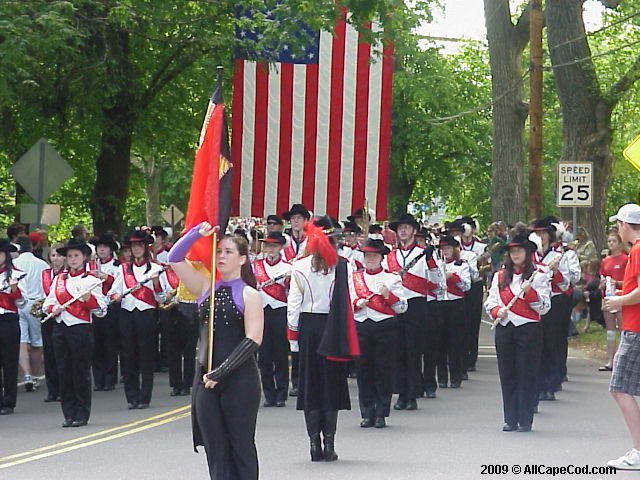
(451, 351)
(138, 335)
(473, 305)
(433, 334)
(105, 352)
(410, 347)
(180, 331)
(50, 364)
(378, 341)
(73, 349)
(519, 350)
(554, 332)
(9, 353)
(273, 355)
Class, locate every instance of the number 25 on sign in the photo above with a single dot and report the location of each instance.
(575, 182)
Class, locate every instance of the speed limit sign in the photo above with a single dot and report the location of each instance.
(575, 182)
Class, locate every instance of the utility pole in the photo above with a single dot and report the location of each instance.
(536, 23)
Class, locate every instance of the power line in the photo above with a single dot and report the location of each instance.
(591, 57)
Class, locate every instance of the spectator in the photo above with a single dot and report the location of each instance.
(585, 248)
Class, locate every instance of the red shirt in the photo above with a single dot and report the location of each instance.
(631, 313)
(614, 267)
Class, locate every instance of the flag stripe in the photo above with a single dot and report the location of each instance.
(298, 144)
(286, 137)
(311, 121)
(249, 108)
(260, 129)
(274, 138)
(336, 120)
(361, 113)
(385, 131)
(236, 131)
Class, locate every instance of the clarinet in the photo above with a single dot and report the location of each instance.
(413, 262)
(139, 285)
(272, 281)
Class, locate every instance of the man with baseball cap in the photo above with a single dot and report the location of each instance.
(625, 378)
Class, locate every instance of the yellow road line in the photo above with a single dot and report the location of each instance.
(174, 414)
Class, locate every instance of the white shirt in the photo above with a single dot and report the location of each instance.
(391, 281)
(130, 302)
(76, 285)
(33, 267)
(281, 267)
(5, 287)
(463, 282)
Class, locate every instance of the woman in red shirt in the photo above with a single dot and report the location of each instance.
(613, 266)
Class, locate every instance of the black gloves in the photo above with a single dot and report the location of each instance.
(242, 352)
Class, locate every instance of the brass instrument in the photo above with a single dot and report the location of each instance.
(366, 218)
(36, 308)
(170, 304)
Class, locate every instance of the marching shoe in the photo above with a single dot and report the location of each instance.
(443, 385)
(551, 396)
(108, 388)
(6, 411)
(185, 392)
(431, 394)
(400, 405)
(329, 432)
(132, 406)
(412, 405)
(472, 368)
(455, 385)
(268, 403)
(524, 428)
(293, 392)
(509, 428)
(68, 422)
(280, 403)
(380, 422)
(465, 376)
(79, 423)
(366, 422)
(175, 392)
(142, 406)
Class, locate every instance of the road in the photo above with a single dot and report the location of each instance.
(450, 437)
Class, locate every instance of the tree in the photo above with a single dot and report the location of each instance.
(507, 40)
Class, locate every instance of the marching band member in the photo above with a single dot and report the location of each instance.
(518, 297)
(160, 244)
(105, 329)
(377, 297)
(412, 264)
(318, 305)
(75, 296)
(452, 310)
(349, 248)
(552, 255)
(12, 286)
(57, 262)
(272, 274)
(138, 319)
(226, 399)
(299, 216)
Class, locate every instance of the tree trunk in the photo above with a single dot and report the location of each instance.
(152, 171)
(506, 44)
(586, 117)
(400, 190)
(112, 165)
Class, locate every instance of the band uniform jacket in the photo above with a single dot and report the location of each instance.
(68, 285)
(275, 295)
(422, 278)
(364, 285)
(460, 281)
(11, 301)
(145, 297)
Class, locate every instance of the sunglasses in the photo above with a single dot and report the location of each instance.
(273, 223)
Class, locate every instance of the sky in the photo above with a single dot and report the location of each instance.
(465, 19)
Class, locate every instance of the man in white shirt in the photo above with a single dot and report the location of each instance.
(30, 333)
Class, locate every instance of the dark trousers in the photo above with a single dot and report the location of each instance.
(50, 364)
(410, 346)
(180, 331)
(554, 332)
(295, 369)
(433, 333)
(473, 305)
(378, 341)
(451, 351)
(273, 355)
(9, 353)
(138, 334)
(105, 351)
(73, 349)
(519, 350)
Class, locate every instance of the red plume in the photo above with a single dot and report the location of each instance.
(319, 243)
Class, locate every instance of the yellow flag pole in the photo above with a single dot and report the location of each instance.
(212, 294)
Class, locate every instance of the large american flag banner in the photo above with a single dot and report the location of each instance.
(313, 128)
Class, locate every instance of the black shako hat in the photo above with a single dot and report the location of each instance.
(275, 218)
(297, 208)
(107, 240)
(521, 241)
(140, 236)
(351, 227)
(374, 246)
(404, 219)
(542, 225)
(448, 240)
(274, 237)
(75, 244)
(359, 213)
(7, 247)
(329, 225)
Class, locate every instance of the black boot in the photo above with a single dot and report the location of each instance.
(329, 430)
(313, 419)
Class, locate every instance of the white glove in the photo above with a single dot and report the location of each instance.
(293, 345)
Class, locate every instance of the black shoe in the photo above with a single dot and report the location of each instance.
(293, 392)
(316, 452)
(472, 368)
(455, 384)
(543, 396)
(431, 394)
(6, 411)
(142, 406)
(400, 405)
(330, 454)
(509, 428)
(51, 398)
(185, 392)
(280, 403)
(412, 405)
(551, 396)
(565, 379)
(366, 422)
(379, 422)
(67, 423)
(465, 376)
(524, 428)
(175, 392)
(268, 403)
(132, 406)
(108, 388)
(79, 423)
(443, 385)
(98, 388)
(535, 409)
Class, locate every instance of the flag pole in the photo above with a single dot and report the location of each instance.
(212, 295)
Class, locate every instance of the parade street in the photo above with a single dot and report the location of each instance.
(452, 436)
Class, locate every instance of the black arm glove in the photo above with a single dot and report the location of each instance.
(242, 352)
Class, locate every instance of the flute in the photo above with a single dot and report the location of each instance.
(513, 301)
(272, 281)
(139, 285)
(73, 299)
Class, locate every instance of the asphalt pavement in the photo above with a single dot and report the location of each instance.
(455, 436)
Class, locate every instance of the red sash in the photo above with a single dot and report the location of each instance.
(275, 290)
(77, 309)
(173, 278)
(144, 294)
(47, 280)
(520, 307)
(376, 302)
(413, 282)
